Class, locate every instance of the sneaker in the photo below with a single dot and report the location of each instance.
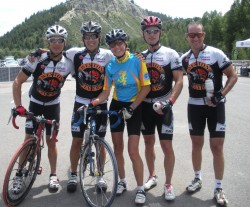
(151, 182)
(72, 183)
(169, 192)
(17, 184)
(140, 197)
(101, 184)
(121, 188)
(195, 185)
(53, 182)
(220, 197)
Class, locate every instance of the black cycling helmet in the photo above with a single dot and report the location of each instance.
(91, 27)
(115, 34)
(151, 21)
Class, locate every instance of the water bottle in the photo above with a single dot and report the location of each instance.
(209, 86)
(156, 106)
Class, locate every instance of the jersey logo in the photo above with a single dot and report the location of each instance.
(123, 78)
(91, 76)
(49, 84)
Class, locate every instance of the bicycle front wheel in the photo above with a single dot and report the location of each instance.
(21, 173)
(98, 173)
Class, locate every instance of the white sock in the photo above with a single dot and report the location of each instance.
(217, 183)
(123, 180)
(140, 187)
(197, 174)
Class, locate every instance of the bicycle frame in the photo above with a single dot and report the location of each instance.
(97, 161)
(25, 163)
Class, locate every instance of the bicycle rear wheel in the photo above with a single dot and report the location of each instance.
(25, 169)
(98, 176)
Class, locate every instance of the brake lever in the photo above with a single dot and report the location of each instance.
(11, 115)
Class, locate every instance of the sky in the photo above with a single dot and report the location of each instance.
(14, 12)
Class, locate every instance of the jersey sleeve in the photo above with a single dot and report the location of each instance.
(144, 76)
(108, 78)
(223, 60)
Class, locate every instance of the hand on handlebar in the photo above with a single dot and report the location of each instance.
(21, 111)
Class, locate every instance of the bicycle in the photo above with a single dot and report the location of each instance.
(98, 174)
(25, 164)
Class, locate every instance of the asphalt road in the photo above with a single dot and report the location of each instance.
(237, 147)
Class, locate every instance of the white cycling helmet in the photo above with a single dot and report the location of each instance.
(56, 30)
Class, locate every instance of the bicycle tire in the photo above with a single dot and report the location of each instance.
(93, 193)
(29, 170)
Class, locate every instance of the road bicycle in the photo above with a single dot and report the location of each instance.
(98, 169)
(25, 164)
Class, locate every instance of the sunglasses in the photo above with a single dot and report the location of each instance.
(113, 44)
(193, 35)
(58, 40)
(152, 31)
(90, 36)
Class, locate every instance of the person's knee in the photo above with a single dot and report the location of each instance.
(167, 146)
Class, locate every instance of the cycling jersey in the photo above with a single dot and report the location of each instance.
(209, 64)
(89, 72)
(49, 77)
(160, 64)
(128, 76)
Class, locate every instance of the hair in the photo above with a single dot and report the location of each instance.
(195, 23)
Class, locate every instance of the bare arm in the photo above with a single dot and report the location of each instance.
(231, 79)
(141, 96)
(17, 87)
(103, 96)
(178, 79)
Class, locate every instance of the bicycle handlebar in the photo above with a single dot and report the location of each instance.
(84, 110)
(37, 119)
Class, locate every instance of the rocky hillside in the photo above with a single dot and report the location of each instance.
(109, 13)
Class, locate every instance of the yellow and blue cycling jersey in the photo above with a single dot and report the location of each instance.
(127, 76)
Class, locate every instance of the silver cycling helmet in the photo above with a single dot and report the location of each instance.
(91, 27)
(115, 34)
(56, 30)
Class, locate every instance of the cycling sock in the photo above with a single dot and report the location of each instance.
(217, 183)
(140, 188)
(123, 180)
(74, 173)
(197, 174)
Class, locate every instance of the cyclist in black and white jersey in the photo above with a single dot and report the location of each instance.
(49, 74)
(205, 66)
(164, 68)
(89, 63)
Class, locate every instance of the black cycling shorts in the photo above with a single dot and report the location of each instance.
(151, 120)
(101, 122)
(199, 115)
(49, 112)
(133, 124)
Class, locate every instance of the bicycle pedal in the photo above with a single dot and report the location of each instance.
(40, 170)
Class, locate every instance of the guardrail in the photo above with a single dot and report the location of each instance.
(9, 73)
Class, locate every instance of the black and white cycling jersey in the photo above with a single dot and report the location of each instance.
(89, 72)
(160, 65)
(49, 77)
(209, 63)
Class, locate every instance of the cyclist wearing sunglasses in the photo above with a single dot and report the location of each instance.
(164, 68)
(89, 62)
(49, 74)
(129, 76)
(204, 63)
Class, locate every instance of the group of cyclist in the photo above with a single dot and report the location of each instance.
(139, 81)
